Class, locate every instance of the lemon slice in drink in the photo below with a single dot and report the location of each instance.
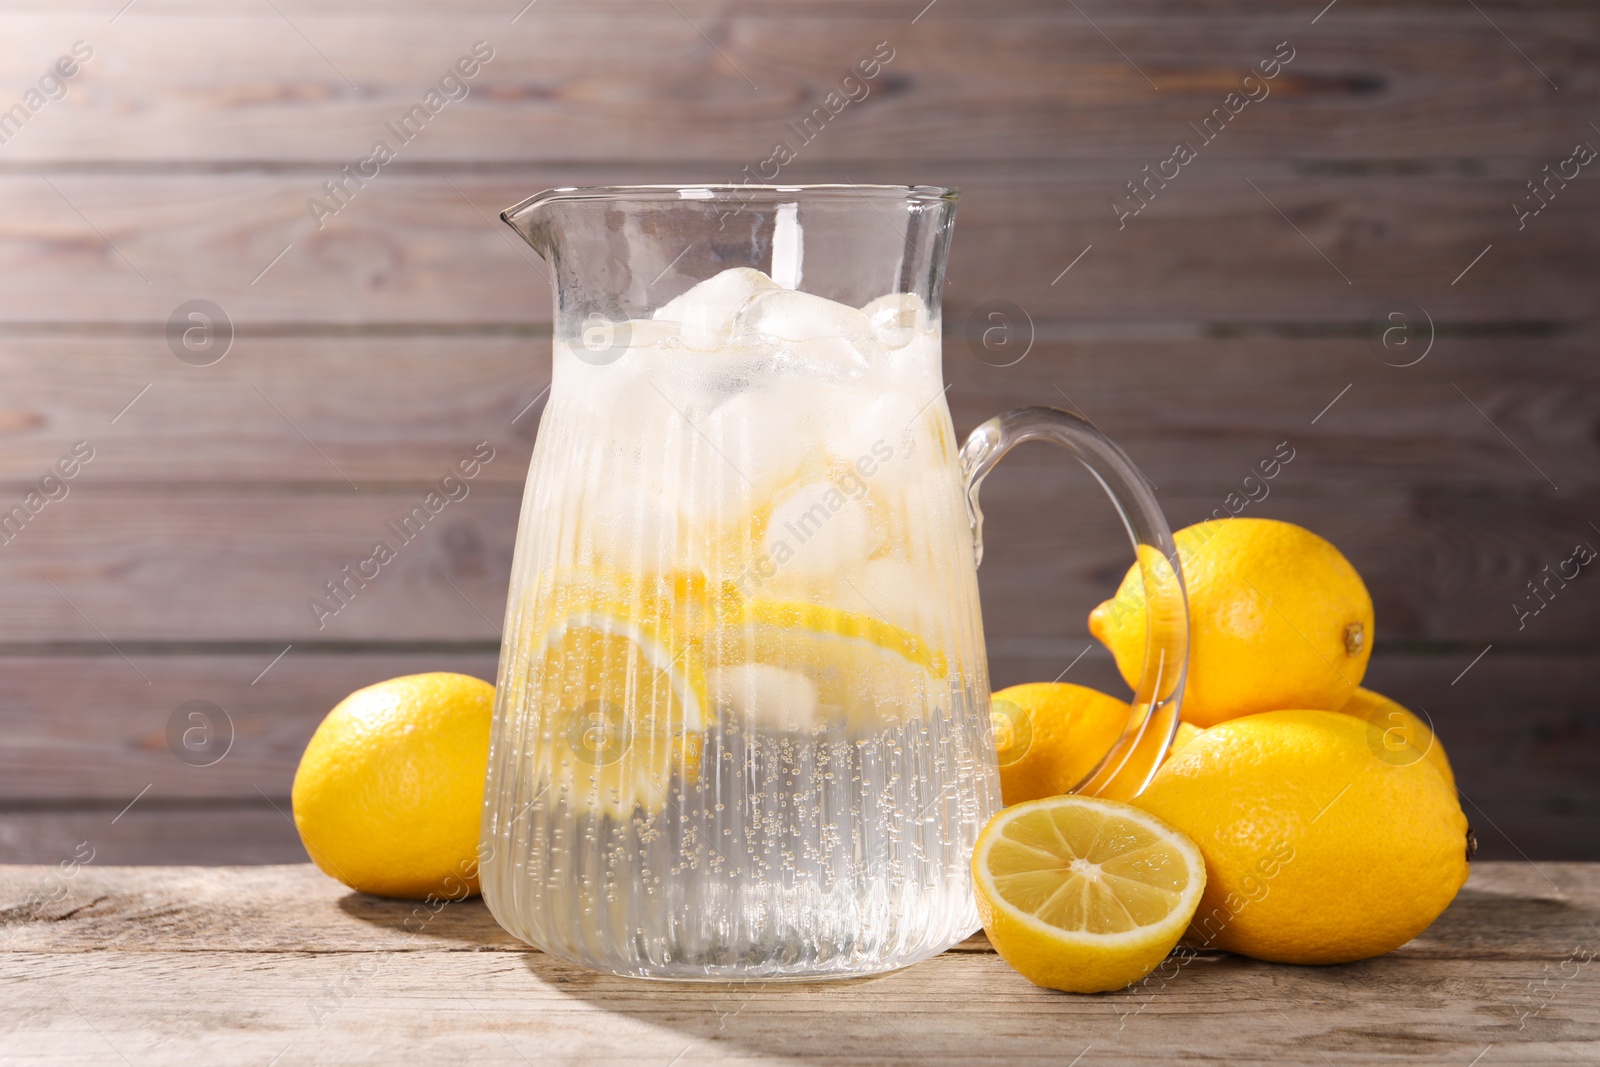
(794, 620)
(620, 693)
(867, 673)
(1084, 894)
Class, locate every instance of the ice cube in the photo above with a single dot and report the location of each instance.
(790, 315)
(630, 528)
(825, 527)
(897, 318)
(816, 337)
(883, 431)
(707, 309)
(767, 697)
(914, 368)
(766, 440)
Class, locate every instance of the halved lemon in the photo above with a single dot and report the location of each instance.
(1084, 894)
(619, 692)
(867, 673)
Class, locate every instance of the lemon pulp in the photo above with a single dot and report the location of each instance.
(866, 674)
(1084, 894)
(620, 695)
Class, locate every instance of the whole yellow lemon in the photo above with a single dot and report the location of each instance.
(1187, 731)
(389, 792)
(1135, 770)
(1403, 735)
(1050, 735)
(1318, 847)
(1278, 618)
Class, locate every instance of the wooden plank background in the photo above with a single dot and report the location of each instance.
(1238, 310)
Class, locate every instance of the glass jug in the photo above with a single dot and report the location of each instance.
(742, 728)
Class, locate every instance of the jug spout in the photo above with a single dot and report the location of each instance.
(534, 220)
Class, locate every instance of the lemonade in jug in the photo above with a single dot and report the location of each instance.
(742, 724)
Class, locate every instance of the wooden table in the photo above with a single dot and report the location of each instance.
(280, 965)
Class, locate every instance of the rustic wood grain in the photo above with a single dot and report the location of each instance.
(1203, 412)
(1440, 569)
(241, 965)
(205, 833)
(886, 10)
(426, 248)
(88, 728)
(1195, 411)
(103, 908)
(1558, 820)
(81, 737)
(213, 563)
(644, 82)
(217, 563)
(375, 350)
(383, 409)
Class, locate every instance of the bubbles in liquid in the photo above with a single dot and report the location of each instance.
(778, 469)
(794, 852)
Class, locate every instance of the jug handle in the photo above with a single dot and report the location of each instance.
(1138, 753)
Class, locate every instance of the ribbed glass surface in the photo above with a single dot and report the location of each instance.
(742, 726)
